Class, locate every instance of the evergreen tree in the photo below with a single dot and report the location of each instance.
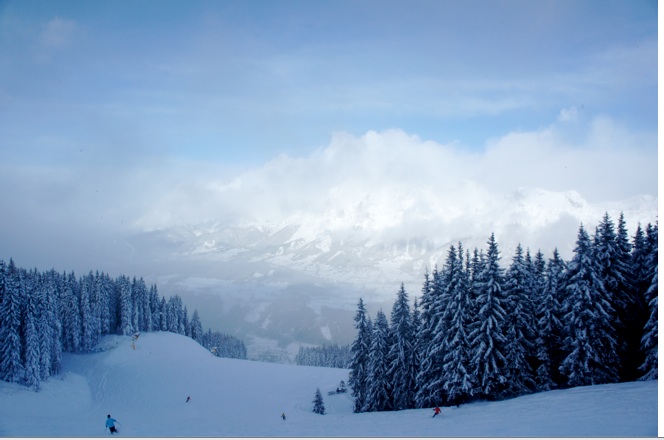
(649, 340)
(114, 319)
(10, 323)
(51, 298)
(429, 389)
(30, 340)
(423, 339)
(196, 327)
(70, 315)
(549, 335)
(163, 315)
(359, 367)
(417, 346)
(401, 353)
(378, 384)
(97, 303)
(519, 329)
(137, 292)
(457, 381)
(156, 311)
(319, 406)
(185, 328)
(638, 262)
(590, 341)
(123, 286)
(43, 328)
(146, 297)
(87, 318)
(487, 338)
(613, 254)
(49, 327)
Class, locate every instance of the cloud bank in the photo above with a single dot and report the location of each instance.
(381, 180)
(384, 185)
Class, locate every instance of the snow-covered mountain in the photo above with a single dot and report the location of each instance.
(300, 278)
(146, 390)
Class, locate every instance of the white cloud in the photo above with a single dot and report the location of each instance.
(387, 185)
(390, 181)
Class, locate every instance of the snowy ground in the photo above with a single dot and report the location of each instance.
(146, 389)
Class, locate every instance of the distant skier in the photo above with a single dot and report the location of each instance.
(283, 416)
(110, 424)
(436, 411)
(188, 399)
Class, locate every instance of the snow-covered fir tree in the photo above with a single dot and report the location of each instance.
(549, 326)
(163, 319)
(457, 380)
(519, 326)
(185, 322)
(401, 356)
(155, 310)
(30, 338)
(638, 260)
(126, 307)
(43, 328)
(428, 381)
(10, 323)
(590, 341)
(319, 405)
(378, 388)
(613, 254)
(487, 337)
(642, 280)
(417, 346)
(51, 304)
(359, 367)
(423, 339)
(196, 327)
(70, 315)
(649, 339)
(87, 316)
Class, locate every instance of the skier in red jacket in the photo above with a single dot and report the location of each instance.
(436, 411)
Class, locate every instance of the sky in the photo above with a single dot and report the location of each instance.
(129, 116)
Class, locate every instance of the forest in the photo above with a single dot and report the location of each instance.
(43, 314)
(480, 331)
(328, 355)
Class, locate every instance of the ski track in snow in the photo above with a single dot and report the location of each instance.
(146, 390)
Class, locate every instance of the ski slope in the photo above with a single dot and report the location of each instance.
(146, 390)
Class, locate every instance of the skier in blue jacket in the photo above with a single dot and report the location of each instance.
(110, 424)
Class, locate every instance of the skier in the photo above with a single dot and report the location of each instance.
(283, 416)
(436, 411)
(110, 424)
(188, 398)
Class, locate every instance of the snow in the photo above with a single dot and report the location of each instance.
(145, 390)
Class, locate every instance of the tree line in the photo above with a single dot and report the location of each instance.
(223, 345)
(43, 314)
(331, 355)
(483, 332)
